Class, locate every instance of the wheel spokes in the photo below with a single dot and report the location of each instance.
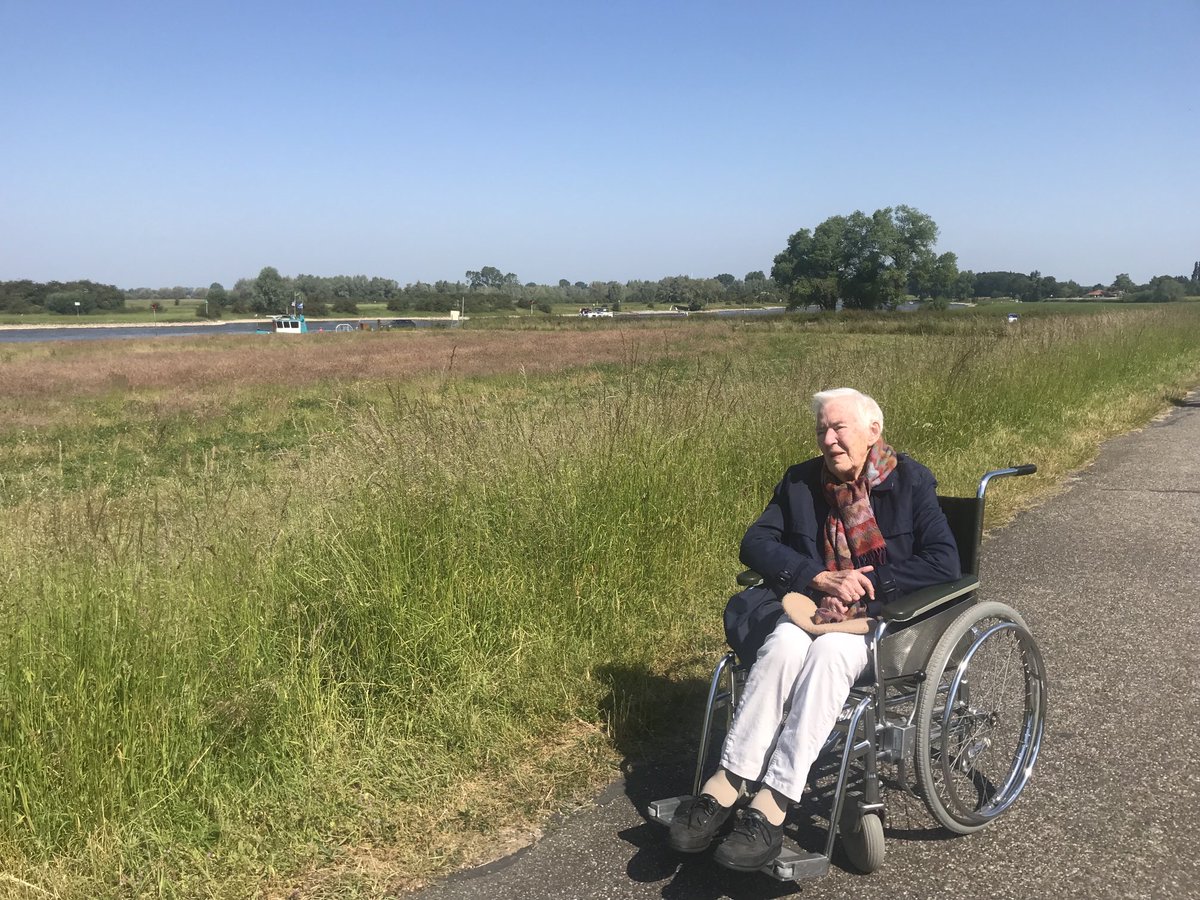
(987, 727)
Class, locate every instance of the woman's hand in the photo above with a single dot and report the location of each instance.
(845, 585)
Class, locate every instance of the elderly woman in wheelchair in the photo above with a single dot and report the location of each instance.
(859, 574)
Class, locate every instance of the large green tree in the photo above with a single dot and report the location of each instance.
(491, 277)
(810, 268)
(935, 277)
(215, 300)
(964, 286)
(1123, 283)
(685, 291)
(863, 261)
(1164, 288)
(270, 291)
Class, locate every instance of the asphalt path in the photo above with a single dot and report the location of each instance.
(1106, 575)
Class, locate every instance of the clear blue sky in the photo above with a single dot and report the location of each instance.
(154, 144)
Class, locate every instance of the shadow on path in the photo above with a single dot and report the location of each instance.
(655, 723)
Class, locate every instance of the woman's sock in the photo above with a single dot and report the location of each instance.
(723, 786)
(772, 804)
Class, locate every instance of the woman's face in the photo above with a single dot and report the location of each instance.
(843, 438)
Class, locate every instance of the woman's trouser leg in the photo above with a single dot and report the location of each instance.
(833, 663)
(765, 700)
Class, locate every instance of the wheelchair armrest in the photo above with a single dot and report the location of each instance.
(749, 578)
(912, 605)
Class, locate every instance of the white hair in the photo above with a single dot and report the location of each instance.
(868, 409)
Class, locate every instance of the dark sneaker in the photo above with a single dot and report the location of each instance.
(696, 823)
(752, 844)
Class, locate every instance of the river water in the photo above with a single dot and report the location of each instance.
(116, 332)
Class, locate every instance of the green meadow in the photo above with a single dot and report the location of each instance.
(326, 636)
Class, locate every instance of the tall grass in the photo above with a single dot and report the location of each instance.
(441, 616)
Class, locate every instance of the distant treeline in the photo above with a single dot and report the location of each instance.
(1035, 286)
(489, 289)
(70, 297)
(480, 291)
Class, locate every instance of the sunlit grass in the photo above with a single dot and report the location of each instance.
(315, 631)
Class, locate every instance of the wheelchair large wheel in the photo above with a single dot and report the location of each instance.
(980, 715)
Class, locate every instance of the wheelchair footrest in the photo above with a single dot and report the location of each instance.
(663, 811)
(793, 865)
(790, 865)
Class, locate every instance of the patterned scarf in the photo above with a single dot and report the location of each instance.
(851, 536)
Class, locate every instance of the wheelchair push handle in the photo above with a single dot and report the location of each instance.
(1027, 469)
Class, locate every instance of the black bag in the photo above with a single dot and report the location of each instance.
(750, 617)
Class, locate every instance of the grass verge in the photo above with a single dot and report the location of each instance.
(262, 642)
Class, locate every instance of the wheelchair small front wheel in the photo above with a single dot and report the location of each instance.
(981, 712)
(862, 839)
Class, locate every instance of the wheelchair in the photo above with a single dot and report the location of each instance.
(954, 705)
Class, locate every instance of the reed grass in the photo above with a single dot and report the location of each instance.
(320, 651)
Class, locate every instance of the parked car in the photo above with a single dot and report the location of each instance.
(596, 312)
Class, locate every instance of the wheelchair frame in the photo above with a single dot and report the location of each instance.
(930, 651)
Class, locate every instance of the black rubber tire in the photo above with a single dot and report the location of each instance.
(981, 713)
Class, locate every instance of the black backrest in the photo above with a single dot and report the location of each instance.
(965, 515)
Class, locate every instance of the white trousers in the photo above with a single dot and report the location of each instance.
(791, 701)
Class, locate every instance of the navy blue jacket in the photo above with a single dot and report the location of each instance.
(784, 546)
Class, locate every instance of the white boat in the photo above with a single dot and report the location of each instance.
(286, 325)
